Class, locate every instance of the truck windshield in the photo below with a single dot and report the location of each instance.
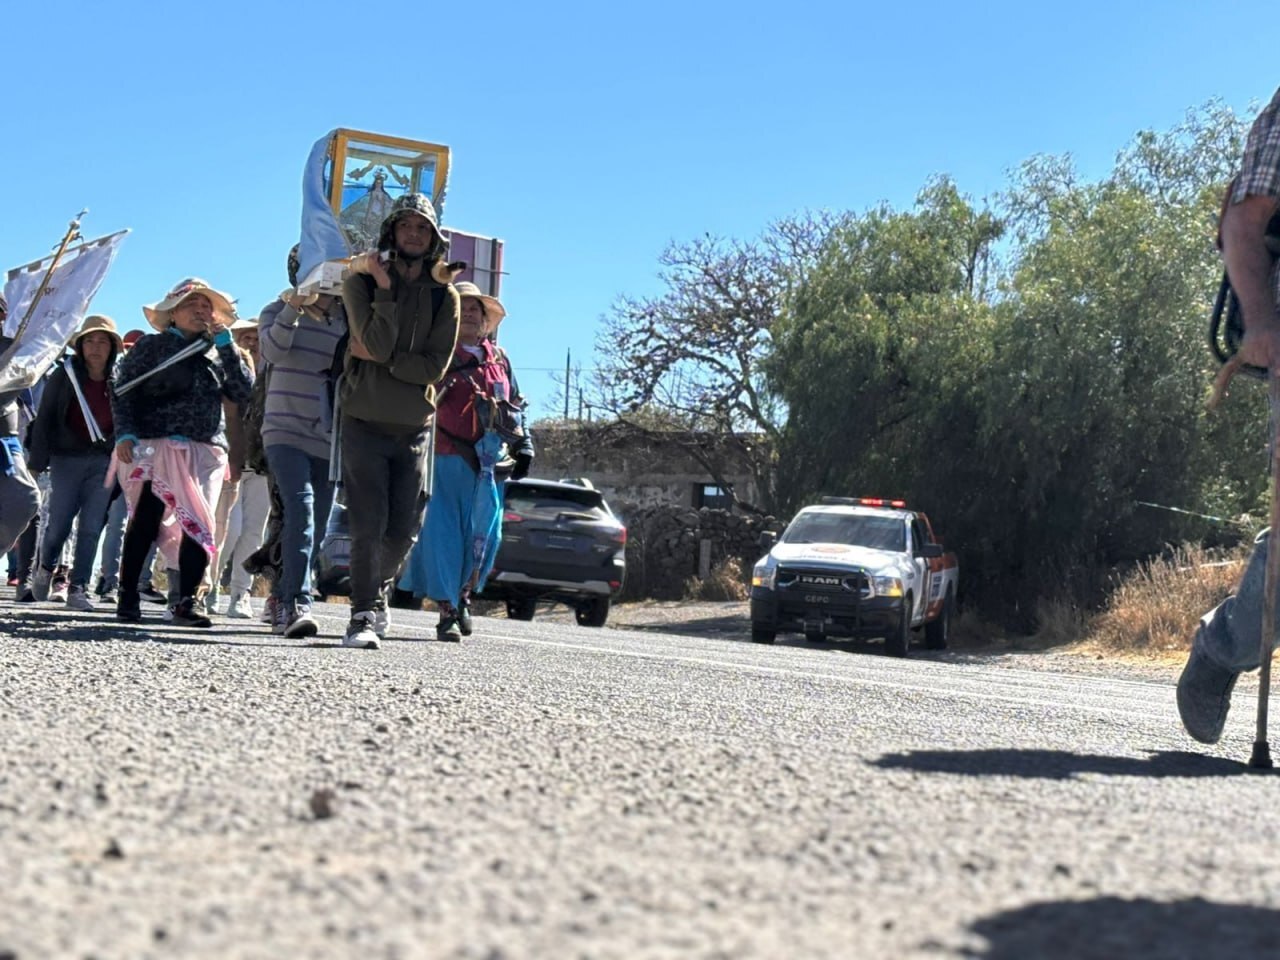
(878, 533)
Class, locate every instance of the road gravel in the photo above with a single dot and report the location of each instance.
(546, 790)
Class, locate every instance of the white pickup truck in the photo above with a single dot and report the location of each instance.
(856, 567)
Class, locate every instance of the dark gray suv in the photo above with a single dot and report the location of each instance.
(560, 542)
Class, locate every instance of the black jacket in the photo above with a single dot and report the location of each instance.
(50, 434)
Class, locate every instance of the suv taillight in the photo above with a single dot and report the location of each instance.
(619, 536)
(510, 516)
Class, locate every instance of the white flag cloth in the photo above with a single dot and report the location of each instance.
(322, 236)
(59, 313)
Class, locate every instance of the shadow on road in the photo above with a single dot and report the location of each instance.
(1110, 927)
(1059, 764)
(102, 627)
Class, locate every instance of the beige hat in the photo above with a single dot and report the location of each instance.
(245, 323)
(494, 311)
(158, 315)
(98, 324)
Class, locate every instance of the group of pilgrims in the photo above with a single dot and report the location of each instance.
(213, 447)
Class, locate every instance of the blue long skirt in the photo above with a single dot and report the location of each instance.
(456, 537)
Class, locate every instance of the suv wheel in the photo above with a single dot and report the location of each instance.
(522, 609)
(593, 613)
(899, 642)
(762, 634)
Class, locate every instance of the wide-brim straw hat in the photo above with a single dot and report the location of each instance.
(159, 314)
(244, 323)
(494, 311)
(97, 323)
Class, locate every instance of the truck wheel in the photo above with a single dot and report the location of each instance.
(814, 636)
(593, 613)
(938, 631)
(762, 634)
(522, 609)
(899, 642)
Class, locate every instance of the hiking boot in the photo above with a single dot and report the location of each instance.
(78, 598)
(41, 580)
(300, 623)
(25, 595)
(59, 586)
(448, 630)
(360, 633)
(268, 615)
(129, 607)
(239, 608)
(1204, 696)
(464, 618)
(152, 595)
(187, 614)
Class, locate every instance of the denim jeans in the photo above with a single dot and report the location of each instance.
(77, 490)
(19, 497)
(1231, 633)
(383, 476)
(306, 495)
(113, 538)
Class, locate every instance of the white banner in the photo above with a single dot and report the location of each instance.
(60, 310)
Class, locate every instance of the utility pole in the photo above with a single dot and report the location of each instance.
(567, 355)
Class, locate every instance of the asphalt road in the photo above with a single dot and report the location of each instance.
(544, 790)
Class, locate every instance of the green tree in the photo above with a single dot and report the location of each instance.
(686, 363)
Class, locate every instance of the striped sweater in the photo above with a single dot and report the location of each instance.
(300, 350)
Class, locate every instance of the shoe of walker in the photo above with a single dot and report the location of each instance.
(78, 598)
(464, 619)
(448, 630)
(360, 633)
(59, 586)
(1204, 696)
(187, 614)
(129, 607)
(300, 623)
(41, 579)
(239, 608)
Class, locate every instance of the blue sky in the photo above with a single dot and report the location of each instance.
(586, 135)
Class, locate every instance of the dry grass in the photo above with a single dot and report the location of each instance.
(726, 582)
(1154, 610)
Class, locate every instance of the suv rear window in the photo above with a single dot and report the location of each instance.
(535, 500)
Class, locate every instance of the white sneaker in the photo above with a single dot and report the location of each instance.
(382, 621)
(78, 599)
(59, 587)
(40, 580)
(239, 607)
(360, 632)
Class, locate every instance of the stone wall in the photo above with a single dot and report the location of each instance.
(634, 473)
(664, 546)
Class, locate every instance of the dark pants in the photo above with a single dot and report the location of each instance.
(382, 476)
(141, 536)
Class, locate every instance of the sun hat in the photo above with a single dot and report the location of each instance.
(245, 323)
(420, 204)
(494, 311)
(158, 314)
(97, 323)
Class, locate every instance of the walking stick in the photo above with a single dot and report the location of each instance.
(1261, 758)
